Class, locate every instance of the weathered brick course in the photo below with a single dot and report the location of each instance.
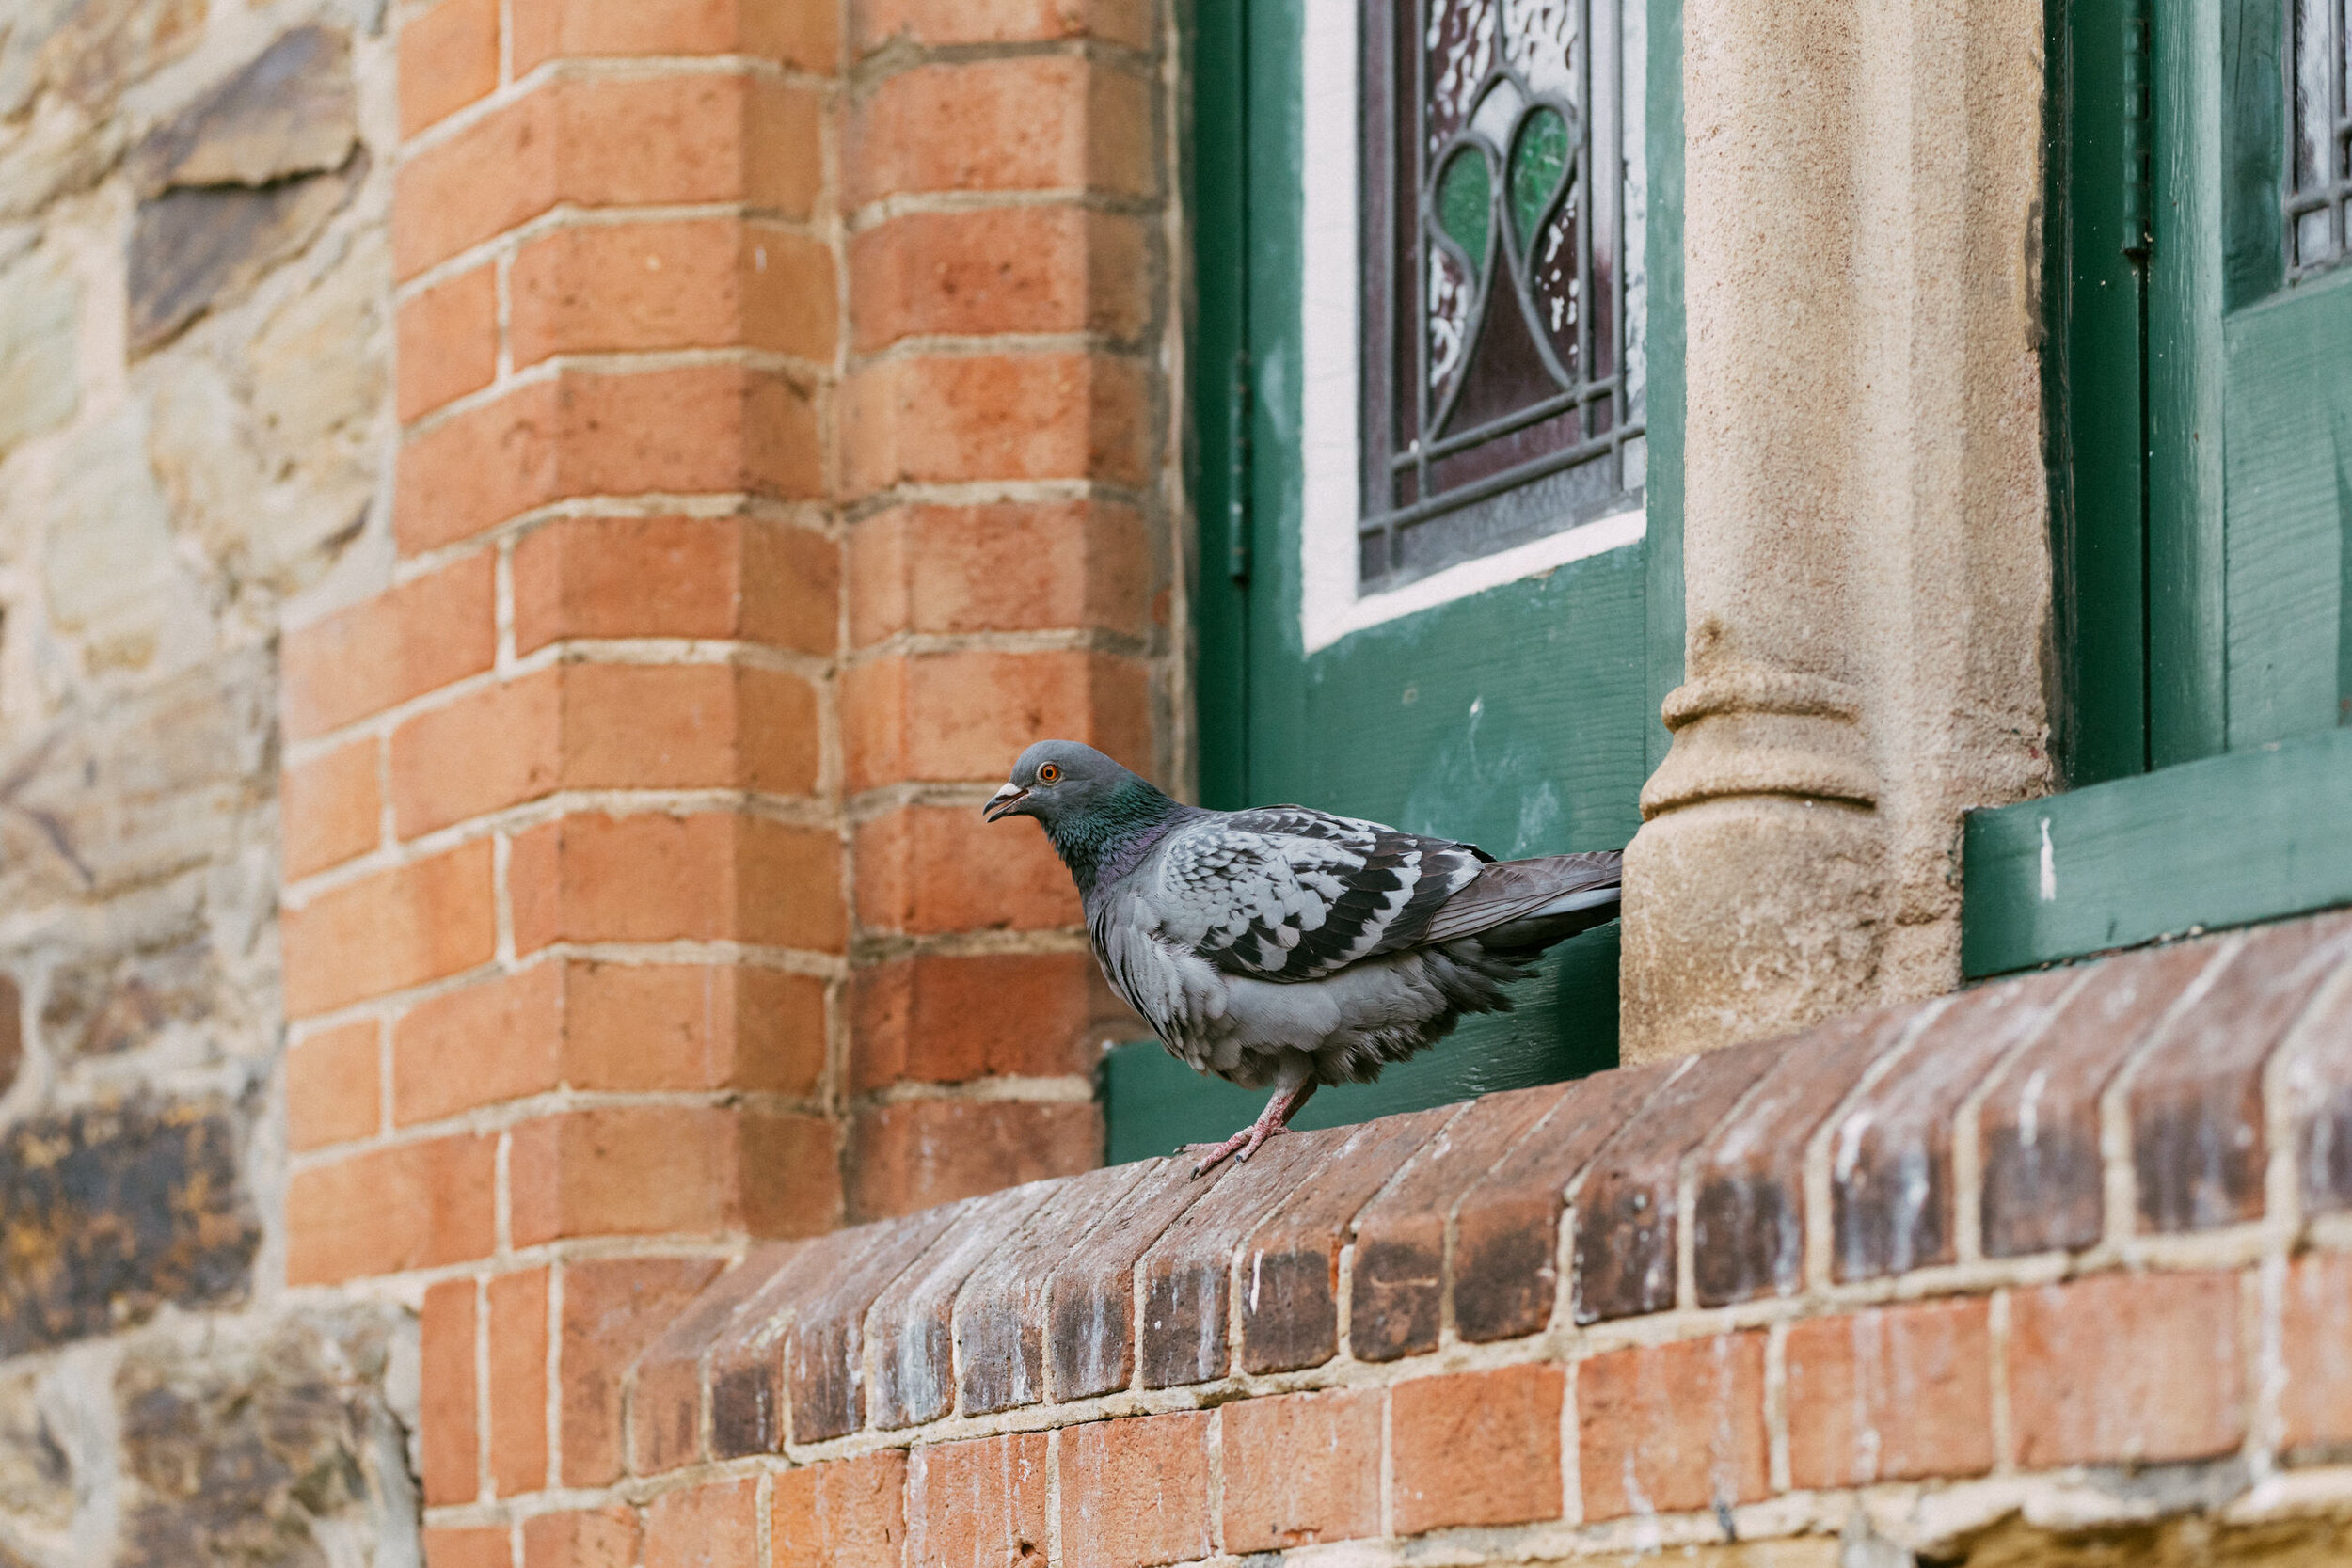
(850, 1513)
(1475, 1449)
(714, 1526)
(1629, 1204)
(2040, 1127)
(1891, 1183)
(2127, 1369)
(977, 1504)
(608, 142)
(2200, 1140)
(586, 1538)
(1300, 1469)
(1135, 1492)
(1506, 1247)
(799, 35)
(332, 808)
(1896, 1393)
(694, 429)
(1673, 1429)
(1289, 1314)
(1058, 122)
(403, 643)
(449, 337)
(1184, 1281)
(1748, 1218)
(1010, 567)
(2315, 1404)
(745, 578)
(409, 1205)
(517, 1403)
(612, 1309)
(909, 1326)
(422, 921)
(334, 1086)
(449, 1403)
(449, 57)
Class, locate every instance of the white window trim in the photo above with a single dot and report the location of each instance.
(1330, 339)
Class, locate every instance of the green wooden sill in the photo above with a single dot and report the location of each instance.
(2229, 840)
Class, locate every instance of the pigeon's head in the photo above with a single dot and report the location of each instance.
(1063, 783)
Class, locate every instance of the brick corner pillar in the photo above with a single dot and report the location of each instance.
(565, 911)
(782, 406)
(1003, 415)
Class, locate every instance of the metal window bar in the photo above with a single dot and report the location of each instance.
(2318, 47)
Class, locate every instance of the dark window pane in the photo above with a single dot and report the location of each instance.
(1498, 357)
(2319, 89)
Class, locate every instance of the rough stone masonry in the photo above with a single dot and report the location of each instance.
(195, 418)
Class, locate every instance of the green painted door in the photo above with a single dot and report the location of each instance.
(2201, 401)
(2250, 377)
(1514, 708)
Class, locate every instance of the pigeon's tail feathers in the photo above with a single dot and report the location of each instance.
(1517, 908)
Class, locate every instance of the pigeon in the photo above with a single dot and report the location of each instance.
(1285, 945)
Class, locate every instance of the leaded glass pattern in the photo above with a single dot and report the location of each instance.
(2320, 87)
(1504, 190)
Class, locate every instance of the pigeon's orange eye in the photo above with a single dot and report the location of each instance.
(1049, 773)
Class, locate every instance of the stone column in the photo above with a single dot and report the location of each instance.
(1866, 560)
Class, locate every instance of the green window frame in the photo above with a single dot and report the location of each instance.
(1260, 694)
(2195, 385)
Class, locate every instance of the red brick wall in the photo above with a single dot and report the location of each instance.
(1426, 1327)
(782, 387)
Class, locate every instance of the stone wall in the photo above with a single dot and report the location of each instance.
(195, 418)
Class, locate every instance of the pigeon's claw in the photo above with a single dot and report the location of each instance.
(1240, 1147)
(1272, 1122)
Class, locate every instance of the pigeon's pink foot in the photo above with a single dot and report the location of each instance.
(1272, 1121)
(1240, 1147)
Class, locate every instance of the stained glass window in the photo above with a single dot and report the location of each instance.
(2321, 188)
(1502, 372)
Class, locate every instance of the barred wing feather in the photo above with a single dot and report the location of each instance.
(1287, 894)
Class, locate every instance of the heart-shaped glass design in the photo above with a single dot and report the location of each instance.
(1466, 202)
(1539, 171)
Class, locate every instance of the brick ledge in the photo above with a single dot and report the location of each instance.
(1948, 1148)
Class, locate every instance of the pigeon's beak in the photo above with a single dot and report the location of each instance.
(1003, 802)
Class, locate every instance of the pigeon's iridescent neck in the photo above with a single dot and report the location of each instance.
(1104, 845)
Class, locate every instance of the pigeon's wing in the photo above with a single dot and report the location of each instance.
(1545, 886)
(1288, 894)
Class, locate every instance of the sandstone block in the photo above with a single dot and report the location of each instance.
(131, 1206)
(39, 315)
(290, 111)
(193, 249)
(260, 1444)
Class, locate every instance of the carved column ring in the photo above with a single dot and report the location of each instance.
(1745, 730)
(1754, 689)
